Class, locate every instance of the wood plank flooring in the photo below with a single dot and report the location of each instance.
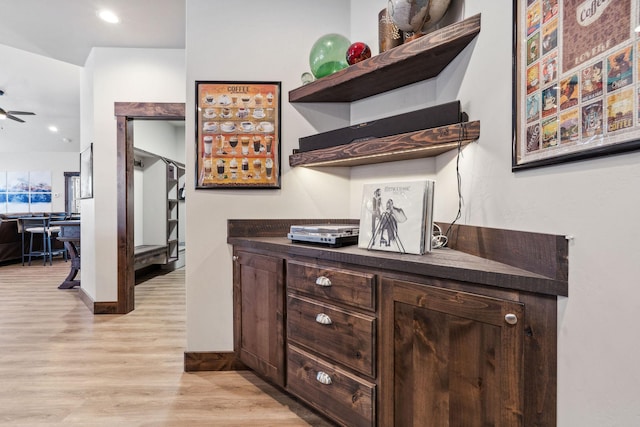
(61, 365)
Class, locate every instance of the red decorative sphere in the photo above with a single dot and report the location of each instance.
(357, 52)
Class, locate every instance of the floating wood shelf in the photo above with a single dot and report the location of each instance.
(405, 146)
(412, 62)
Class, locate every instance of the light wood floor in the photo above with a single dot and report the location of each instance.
(61, 365)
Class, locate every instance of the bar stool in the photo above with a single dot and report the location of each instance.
(39, 226)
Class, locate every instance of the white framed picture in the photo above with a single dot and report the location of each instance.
(397, 216)
(86, 173)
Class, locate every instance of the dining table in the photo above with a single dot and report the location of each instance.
(70, 235)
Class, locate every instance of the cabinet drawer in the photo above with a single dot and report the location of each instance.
(343, 397)
(343, 336)
(345, 286)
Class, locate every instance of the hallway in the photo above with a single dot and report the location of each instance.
(60, 365)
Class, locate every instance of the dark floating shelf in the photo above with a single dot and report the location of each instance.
(412, 62)
(405, 146)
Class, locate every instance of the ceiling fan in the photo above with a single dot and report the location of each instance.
(12, 114)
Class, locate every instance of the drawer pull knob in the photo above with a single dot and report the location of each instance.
(323, 319)
(235, 258)
(511, 319)
(323, 378)
(323, 281)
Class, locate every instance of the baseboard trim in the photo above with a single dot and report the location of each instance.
(97, 307)
(195, 361)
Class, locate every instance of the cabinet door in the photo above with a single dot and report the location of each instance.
(450, 358)
(259, 313)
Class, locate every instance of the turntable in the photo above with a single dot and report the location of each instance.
(332, 235)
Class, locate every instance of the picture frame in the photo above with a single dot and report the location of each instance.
(238, 131)
(576, 79)
(397, 217)
(86, 172)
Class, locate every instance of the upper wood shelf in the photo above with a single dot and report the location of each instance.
(405, 146)
(412, 62)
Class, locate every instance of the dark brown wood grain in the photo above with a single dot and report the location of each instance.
(349, 339)
(411, 62)
(443, 350)
(150, 110)
(405, 146)
(125, 215)
(442, 263)
(274, 227)
(349, 287)
(196, 361)
(125, 113)
(544, 254)
(259, 312)
(540, 361)
(348, 399)
(456, 361)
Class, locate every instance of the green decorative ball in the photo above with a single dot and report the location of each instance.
(328, 55)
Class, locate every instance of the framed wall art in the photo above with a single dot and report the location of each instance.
(86, 173)
(237, 134)
(576, 80)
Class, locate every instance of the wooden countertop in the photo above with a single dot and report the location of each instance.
(508, 259)
(441, 263)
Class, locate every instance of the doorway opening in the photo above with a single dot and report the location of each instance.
(126, 113)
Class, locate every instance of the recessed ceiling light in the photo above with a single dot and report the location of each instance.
(53, 129)
(108, 16)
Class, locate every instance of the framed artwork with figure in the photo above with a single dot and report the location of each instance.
(86, 173)
(237, 134)
(576, 80)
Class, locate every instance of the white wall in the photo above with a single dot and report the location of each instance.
(269, 43)
(116, 75)
(598, 372)
(598, 375)
(47, 87)
(163, 138)
(58, 163)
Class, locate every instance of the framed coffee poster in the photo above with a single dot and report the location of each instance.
(576, 80)
(238, 134)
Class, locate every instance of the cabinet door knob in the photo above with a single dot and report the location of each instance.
(235, 257)
(323, 281)
(323, 319)
(511, 319)
(323, 378)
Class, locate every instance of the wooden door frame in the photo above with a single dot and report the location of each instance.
(125, 113)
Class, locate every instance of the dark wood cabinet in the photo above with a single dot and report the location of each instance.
(463, 337)
(331, 340)
(259, 314)
(452, 358)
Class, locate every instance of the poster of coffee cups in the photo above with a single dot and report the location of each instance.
(238, 134)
